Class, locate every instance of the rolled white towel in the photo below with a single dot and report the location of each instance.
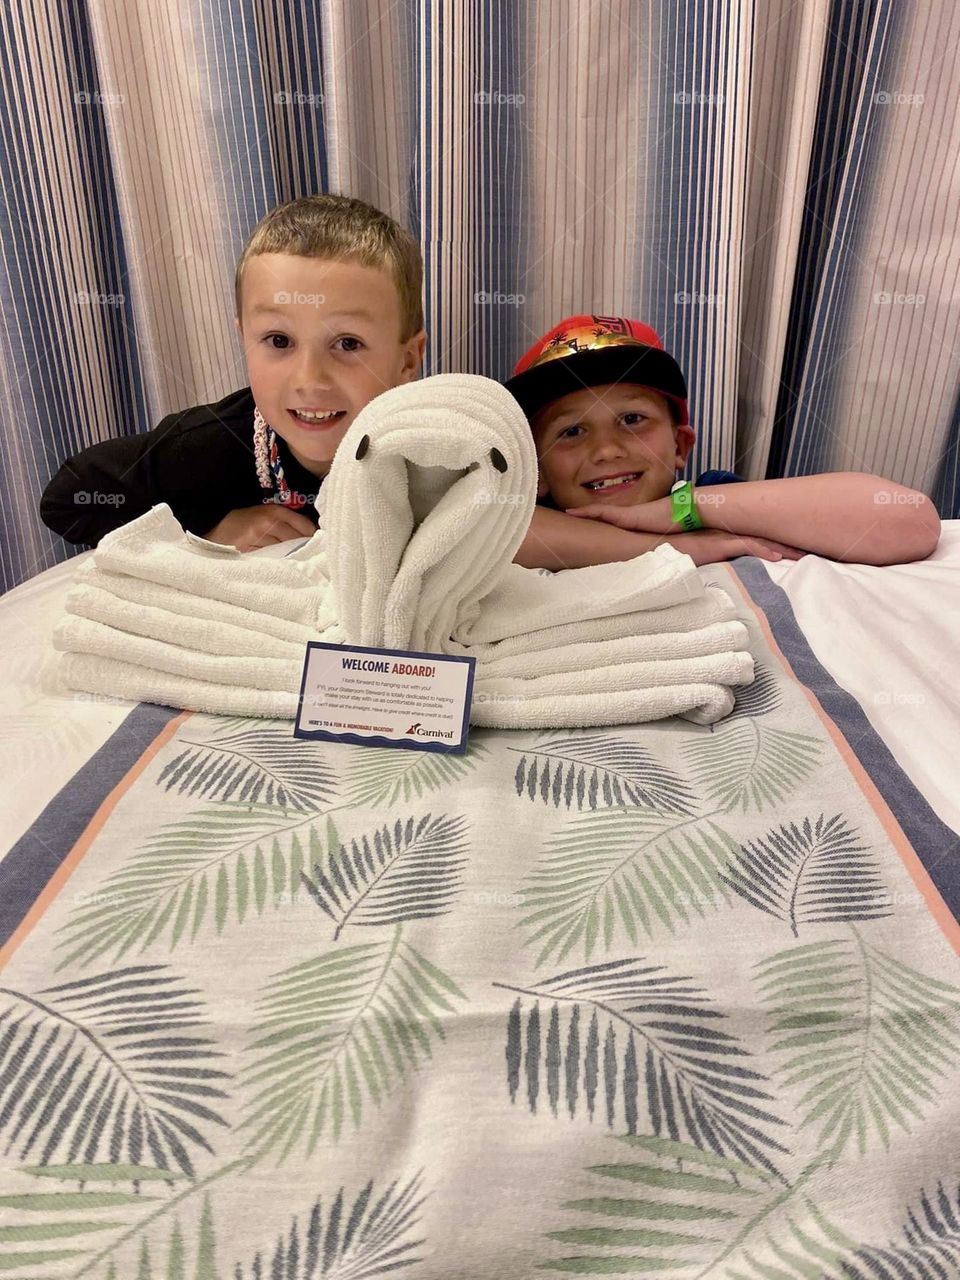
(700, 703)
(693, 616)
(213, 634)
(122, 590)
(119, 679)
(610, 655)
(154, 548)
(256, 671)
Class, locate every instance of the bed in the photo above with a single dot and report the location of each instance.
(669, 999)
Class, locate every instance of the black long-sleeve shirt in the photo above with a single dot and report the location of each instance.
(200, 461)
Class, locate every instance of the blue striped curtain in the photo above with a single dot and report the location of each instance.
(773, 187)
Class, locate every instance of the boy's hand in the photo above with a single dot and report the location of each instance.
(250, 527)
(710, 546)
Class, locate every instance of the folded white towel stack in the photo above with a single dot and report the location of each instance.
(428, 498)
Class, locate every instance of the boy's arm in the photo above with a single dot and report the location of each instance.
(849, 516)
(96, 490)
(554, 541)
(196, 460)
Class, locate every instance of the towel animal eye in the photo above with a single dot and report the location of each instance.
(498, 460)
(362, 447)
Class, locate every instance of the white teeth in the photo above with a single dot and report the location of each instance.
(608, 484)
(315, 417)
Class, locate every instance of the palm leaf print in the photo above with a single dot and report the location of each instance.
(672, 1209)
(932, 1238)
(866, 1038)
(630, 870)
(43, 1229)
(814, 873)
(751, 765)
(223, 861)
(379, 776)
(631, 1038)
(350, 1242)
(595, 770)
(256, 764)
(805, 1243)
(405, 872)
(338, 1032)
(108, 1068)
(757, 699)
(346, 1238)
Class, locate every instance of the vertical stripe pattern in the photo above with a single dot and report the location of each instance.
(773, 187)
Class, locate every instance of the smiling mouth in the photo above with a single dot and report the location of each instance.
(325, 418)
(614, 483)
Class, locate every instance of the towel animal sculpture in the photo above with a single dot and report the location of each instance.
(428, 498)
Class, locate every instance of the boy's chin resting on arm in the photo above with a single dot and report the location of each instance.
(556, 541)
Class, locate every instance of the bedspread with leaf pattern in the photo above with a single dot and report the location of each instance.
(662, 1000)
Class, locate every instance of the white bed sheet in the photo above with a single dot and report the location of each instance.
(889, 636)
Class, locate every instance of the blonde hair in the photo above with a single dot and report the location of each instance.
(343, 229)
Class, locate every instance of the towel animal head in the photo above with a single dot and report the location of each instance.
(429, 496)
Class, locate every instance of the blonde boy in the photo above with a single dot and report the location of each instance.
(328, 294)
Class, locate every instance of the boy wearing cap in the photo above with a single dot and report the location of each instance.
(608, 409)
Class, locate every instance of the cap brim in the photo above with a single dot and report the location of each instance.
(647, 366)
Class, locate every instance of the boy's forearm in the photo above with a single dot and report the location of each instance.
(556, 541)
(847, 515)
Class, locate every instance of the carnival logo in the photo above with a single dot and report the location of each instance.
(417, 730)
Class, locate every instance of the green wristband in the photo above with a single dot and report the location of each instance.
(682, 506)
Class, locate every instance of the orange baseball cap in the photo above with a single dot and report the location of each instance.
(587, 351)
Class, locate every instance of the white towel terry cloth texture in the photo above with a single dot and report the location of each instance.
(428, 498)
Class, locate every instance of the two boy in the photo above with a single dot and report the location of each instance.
(328, 307)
